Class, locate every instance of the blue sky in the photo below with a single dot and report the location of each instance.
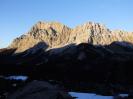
(18, 16)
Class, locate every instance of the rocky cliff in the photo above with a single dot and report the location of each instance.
(57, 35)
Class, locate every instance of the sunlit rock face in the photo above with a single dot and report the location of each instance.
(56, 35)
(53, 34)
(90, 32)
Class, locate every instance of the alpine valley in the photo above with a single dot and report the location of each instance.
(89, 57)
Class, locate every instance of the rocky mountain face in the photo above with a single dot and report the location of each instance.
(53, 34)
(56, 35)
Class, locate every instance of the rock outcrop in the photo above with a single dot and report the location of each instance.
(57, 35)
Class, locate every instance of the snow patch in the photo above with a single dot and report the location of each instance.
(123, 95)
(23, 78)
(88, 96)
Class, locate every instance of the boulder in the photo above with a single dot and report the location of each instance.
(39, 90)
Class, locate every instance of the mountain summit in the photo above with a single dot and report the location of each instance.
(56, 35)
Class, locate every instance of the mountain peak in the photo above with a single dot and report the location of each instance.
(52, 33)
(55, 35)
(42, 25)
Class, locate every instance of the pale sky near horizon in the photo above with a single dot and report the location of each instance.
(18, 16)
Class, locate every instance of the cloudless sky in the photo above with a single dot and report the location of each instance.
(18, 16)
